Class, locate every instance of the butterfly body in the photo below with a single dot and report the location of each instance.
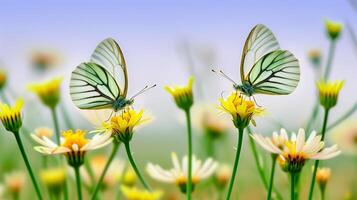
(246, 88)
(121, 103)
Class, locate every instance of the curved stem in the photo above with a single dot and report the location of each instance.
(273, 163)
(236, 162)
(100, 181)
(189, 167)
(133, 165)
(78, 182)
(28, 166)
(55, 123)
(316, 165)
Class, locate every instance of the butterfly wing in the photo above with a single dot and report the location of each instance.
(259, 42)
(277, 73)
(93, 87)
(109, 55)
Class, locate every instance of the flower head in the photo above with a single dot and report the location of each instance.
(328, 92)
(182, 94)
(129, 178)
(73, 144)
(53, 179)
(11, 116)
(323, 175)
(15, 181)
(223, 175)
(241, 110)
(178, 175)
(48, 91)
(333, 29)
(43, 132)
(133, 193)
(296, 151)
(277, 140)
(3, 79)
(43, 59)
(315, 57)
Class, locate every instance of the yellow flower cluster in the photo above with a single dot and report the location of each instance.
(333, 29)
(48, 91)
(132, 193)
(328, 92)
(182, 94)
(11, 116)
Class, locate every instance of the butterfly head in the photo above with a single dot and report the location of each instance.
(121, 103)
(245, 88)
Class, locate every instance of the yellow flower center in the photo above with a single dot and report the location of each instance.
(74, 138)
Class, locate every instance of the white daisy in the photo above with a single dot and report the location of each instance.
(178, 174)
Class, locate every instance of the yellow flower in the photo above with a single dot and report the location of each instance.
(182, 94)
(241, 110)
(323, 175)
(122, 126)
(132, 193)
(328, 92)
(223, 175)
(315, 57)
(129, 178)
(43, 132)
(15, 181)
(333, 29)
(11, 116)
(53, 178)
(48, 91)
(43, 59)
(3, 79)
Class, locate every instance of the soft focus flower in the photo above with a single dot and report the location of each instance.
(296, 151)
(11, 116)
(48, 91)
(73, 144)
(3, 79)
(315, 57)
(15, 182)
(323, 175)
(133, 193)
(223, 175)
(122, 126)
(277, 140)
(129, 178)
(333, 29)
(328, 92)
(182, 94)
(178, 175)
(53, 179)
(44, 59)
(345, 135)
(43, 132)
(241, 110)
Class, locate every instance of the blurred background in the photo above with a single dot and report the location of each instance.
(164, 42)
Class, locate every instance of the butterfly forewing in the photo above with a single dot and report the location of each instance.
(93, 87)
(259, 42)
(109, 55)
(275, 73)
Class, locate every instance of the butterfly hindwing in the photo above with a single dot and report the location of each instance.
(276, 73)
(93, 87)
(109, 55)
(259, 42)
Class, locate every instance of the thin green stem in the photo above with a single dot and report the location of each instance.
(343, 117)
(189, 167)
(322, 191)
(28, 166)
(236, 162)
(55, 123)
(133, 165)
(66, 117)
(100, 181)
(273, 163)
(314, 114)
(293, 176)
(316, 165)
(78, 182)
(331, 54)
(4, 97)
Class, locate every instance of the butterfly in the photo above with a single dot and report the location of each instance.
(102, 83)
(272, 71)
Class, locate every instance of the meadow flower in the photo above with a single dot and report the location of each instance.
(73, 145)
(11, 116)
(276, 141)
(182, 94)
(133, 193)
(48, 91)
(43, 132)
(241, 110)
(315, 57)
(15, 182)
(345, 135)
(129, 177)
(3, 79)
(297, 151)
(44, 59)
(222, 175)
(328, 92)
(323, 175)
(333, 29)
(54, 179)
(178, 175)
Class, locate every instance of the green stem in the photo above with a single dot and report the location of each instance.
(189, 167)
(331, 54)
(45, 161)
(28, 166)
(78, 182)
(90, 172)
(273, 163)
(66, 117)
(133, 165)
(322, 191)
(100, 181)
(236, 161)
(292, 185)
(343, 117)
(65, 190)
(56, 125)
(316, 165)
(314, 114)
(4, 97)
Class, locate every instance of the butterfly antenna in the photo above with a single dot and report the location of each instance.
(256, 103)
(221, 73)
(110, 116)
(146, 88)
